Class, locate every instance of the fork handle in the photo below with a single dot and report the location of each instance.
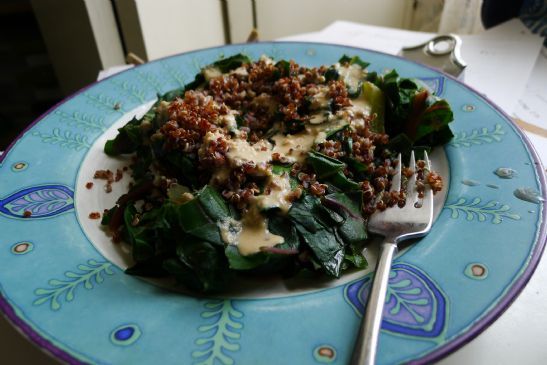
(364, 351)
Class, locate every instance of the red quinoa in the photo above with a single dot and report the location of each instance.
(94, 215)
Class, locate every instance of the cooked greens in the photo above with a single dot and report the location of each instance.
(315, 143)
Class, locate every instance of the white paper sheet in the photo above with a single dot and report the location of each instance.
(532, 105)
(388, 40)
(500, 59)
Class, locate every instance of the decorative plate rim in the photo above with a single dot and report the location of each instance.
(511, 293)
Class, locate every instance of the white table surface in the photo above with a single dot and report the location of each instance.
(518, 336)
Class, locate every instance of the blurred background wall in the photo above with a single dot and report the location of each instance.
(84, 36)
(28, 85)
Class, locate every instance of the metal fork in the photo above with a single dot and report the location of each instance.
(396, 225)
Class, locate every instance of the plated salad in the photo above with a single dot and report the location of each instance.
(260, 167)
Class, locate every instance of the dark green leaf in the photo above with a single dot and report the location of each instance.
(343, 182)
(236, 261)
(301, 212)
(231, 63)
(142, 249)
(412, 111)
(372, 77)
(157, 218)
(356, 166)
(205, 261)
(199, 80)
(212, 203)
(128, 139)
(173, 94)
(199, 216)
(140, 168)
(355, 59)
(181, 167)
(327, 217)
(182, 273)
(239, 121)
(268, 260)
(282, 226)
(327, 248)
(324, 166)
(433, 119)
(355, 256)
(197, 264)
(348, 205)
(344, 59)
(336, 133)
(315, 225)
(281, 169)
(284, 68)
(330, 169)
(440, 137)
(152, 268)
(331, 74)
(107, 216)
(401, 143)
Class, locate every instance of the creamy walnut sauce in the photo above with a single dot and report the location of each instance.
(229, 120)
(251, 233)
(211, 72)
(351, 74)
(279, 187)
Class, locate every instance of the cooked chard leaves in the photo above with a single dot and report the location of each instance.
(129, 138)
(332, 171)
(353, 60)
(413, 111)
(326, 231)
(179, 230)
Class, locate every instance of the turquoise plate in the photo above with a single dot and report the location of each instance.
(69, 296)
